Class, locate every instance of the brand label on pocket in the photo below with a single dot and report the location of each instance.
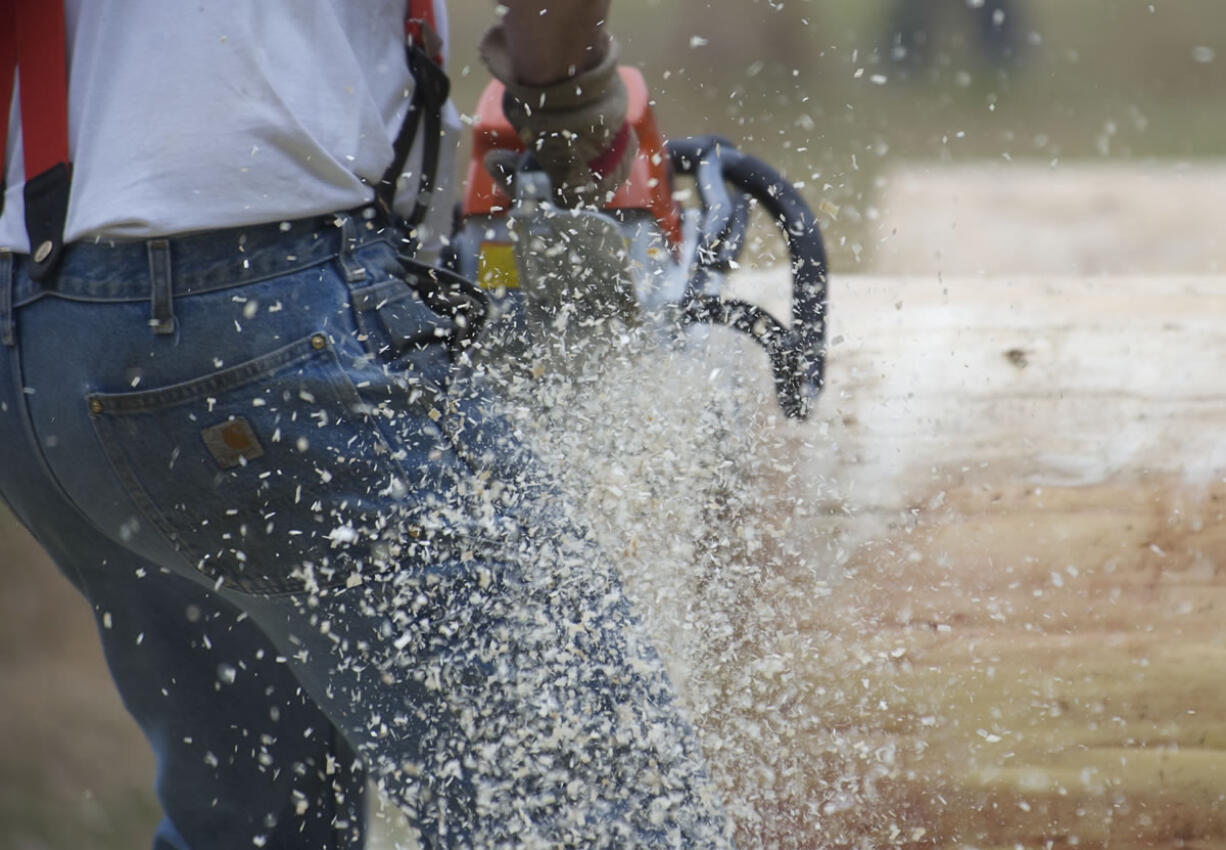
(232, 443)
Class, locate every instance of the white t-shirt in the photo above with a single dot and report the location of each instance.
(188, 116)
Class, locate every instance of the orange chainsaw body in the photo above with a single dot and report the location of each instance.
(649, 187)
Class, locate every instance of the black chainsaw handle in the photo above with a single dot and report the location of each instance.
(796, 349)
(725, 214)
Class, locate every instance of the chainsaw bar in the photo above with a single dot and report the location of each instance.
(797, 349)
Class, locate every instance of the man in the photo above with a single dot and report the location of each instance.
(234, 409)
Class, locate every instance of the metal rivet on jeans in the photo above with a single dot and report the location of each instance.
(95, 406)
(318, 342)
(43, 251)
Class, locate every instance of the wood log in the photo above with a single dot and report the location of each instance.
(1026, 644)
(1049, 217)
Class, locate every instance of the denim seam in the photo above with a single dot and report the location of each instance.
(161, 296)
(218, 382)
(8, 321)
(351, 268)
(376, 295)
(144, 504)
(21, 403)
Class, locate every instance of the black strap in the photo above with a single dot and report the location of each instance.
(46, 199)
(449, 294)
(430, 91)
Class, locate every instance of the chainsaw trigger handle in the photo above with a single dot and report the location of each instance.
(726, 180)
(725, 209)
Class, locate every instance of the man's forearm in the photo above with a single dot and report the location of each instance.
(550, 40)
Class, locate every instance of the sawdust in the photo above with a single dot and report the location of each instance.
(970, 604)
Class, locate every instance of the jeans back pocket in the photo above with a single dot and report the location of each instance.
(270, 476)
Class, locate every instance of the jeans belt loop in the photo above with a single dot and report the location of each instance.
(163, 318)
(349, 241)
(8, 326)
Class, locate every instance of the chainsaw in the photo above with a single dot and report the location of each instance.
(553, 274)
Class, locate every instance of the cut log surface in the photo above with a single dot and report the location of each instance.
(1027, 644)
(1065, 381)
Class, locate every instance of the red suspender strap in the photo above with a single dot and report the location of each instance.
(44, 84)
(32, 39)
(8, 73)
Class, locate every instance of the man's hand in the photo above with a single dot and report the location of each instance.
(564, 95)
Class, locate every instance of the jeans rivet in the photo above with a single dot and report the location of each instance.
(95, 406)
(318, 342)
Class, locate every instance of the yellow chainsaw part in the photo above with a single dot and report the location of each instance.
(496, 266)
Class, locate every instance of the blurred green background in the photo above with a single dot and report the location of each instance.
(813, 87)
(810, 86)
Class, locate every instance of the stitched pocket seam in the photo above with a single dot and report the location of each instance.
(163, 398)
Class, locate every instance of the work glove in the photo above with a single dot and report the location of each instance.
(575, 128)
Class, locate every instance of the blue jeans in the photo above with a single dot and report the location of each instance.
(317, 550)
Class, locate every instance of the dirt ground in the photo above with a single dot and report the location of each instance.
(1024, 647)
(74, 769)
